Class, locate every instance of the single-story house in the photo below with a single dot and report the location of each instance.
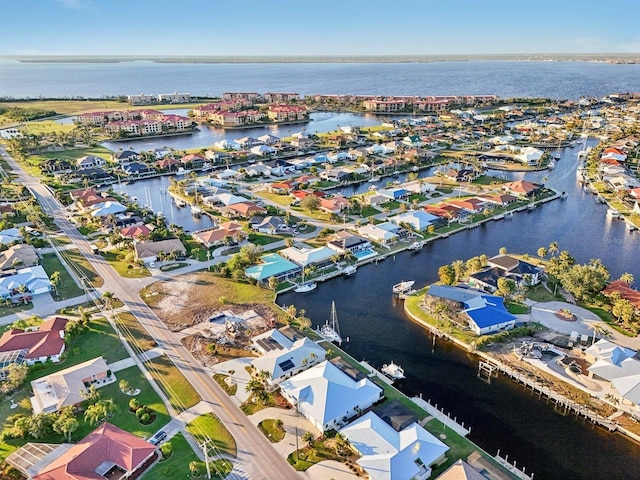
(124, 157)
(90, 161)
(107, 452)
(471, 205)
(344, 241)
(328, 397)
(216, 236)
(610, 361)
(66, 387)
(285, 357)
(385, 233)
(35, 279)
(19, 255)
(10, 235)
(107, 208)
(273, 265)
(418, 219)
(485, 313)
(148, 251)
(45, 342)
(303, 255)
(522, 188)
(271, 225)
(417, 186)
(135, 231)
(388, 454)
(246, 209)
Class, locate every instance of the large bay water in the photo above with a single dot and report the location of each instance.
(503, 78)
(502, 415)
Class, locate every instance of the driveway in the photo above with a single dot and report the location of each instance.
(291, 421)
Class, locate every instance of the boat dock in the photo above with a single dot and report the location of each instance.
(373, 372)
(438, 414)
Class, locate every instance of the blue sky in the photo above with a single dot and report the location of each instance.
(317, 27)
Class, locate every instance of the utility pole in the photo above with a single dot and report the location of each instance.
(205, 450)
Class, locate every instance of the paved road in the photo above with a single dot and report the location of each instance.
(257, 459)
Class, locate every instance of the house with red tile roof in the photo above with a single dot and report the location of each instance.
(613, 153)
(444, 210)
(107, 452)
(473, 205)
(334, 204)
(281, 188)
(624, 290)
(34, 344)
(522, 188)
(246, 209)
(135, 231)
(503, 199)
(216, 236)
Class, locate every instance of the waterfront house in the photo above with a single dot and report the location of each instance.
(529, 155)
(418, 186)
(502, 200)
(419, 220)
(107, 208)
(461, 470)
(136, 169)
(32, 345)
(19, 255)
(90, 161)
(388, 454)
(193, 161)
(484, 314)
(470, 205)
(149, 251)
(68, 387)
(344, 241)
(394, 193)
(56, 166)
(524, 273)
(107, 452)
(168, 164)
(625, 291)
(93, 174)
(305, 256)
(273, 265)
(328, 397)
(522, 188)
(124, 157)
(283, 357)
(385, 233)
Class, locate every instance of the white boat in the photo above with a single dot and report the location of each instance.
(580, 170)
(349, 270)
(196, 211)
(182, 171)
(393, 371)
(180, 203)
(416, 246)
(556, 156)
(403, 286)
(306, 287)
(613, 213)
(331, 331)
(552, 165)
(374, 179)
(631, 227)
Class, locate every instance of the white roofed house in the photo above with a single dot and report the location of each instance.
(328, 397)
(304, 255)
(385, 233)
(619, 366)
(90, 161)
(285, 354)
(529, 155)
(388, 454)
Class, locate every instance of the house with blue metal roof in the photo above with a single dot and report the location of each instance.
(485, 313)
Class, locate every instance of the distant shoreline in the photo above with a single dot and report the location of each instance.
(630, 58)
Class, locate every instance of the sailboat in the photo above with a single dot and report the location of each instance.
(196, 211)
(331, 331)
(305, 286)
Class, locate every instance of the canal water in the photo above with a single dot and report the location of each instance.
(502, 415)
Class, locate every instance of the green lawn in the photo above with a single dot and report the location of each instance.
(177, 466)
(272, 429)
(67, 287)
(80, 261)
(4, 311)
(134, 333)
(274, 197)
(179, 391)
(126, 270)
(261, 239)
(209, 426)
(221, 380)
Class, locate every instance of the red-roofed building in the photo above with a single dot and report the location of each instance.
(34, 345)
(107, 452)
(444, 210)
(246, 209)
(625, 292)
(214, 237)
(522, 188)
(135, 231)
(168, 164)
(472, 205)
(281, 188)
(334, 205)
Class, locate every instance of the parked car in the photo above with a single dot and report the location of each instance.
(158, 437)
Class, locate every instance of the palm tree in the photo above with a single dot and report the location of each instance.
(542, 252)
(308, 438)
(627, 278)
(553, 248)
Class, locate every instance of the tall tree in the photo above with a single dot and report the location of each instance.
(66, 423)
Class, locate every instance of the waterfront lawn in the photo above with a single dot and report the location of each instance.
(175, 386)
(74, 256)
(538, 293)
(71, 154)
(116, 258)
(517, 308)
(368, 211)
(134, 333)
(66, 287)
(45, 127)
(209, 426)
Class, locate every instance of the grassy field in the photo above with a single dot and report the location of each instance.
(209, 426)
(71, 155)
(179, 391)
(45, 127)
(134, 333)
(67, 287)
(80, 261)
(177, 466)
(274, 197)
(272, 429)
(71, 107)
(117, 260)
